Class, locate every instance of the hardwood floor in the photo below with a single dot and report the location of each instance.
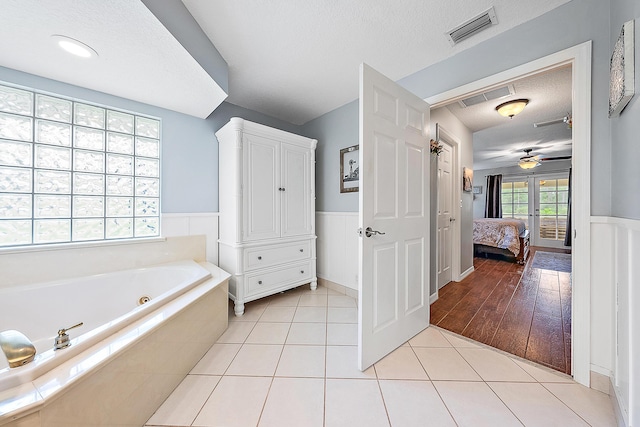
(523, 310)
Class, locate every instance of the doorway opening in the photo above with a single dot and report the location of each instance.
(579, 58)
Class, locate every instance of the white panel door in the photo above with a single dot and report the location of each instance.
(295, 190)
(445, 218)
(393, 274)
(260, 192)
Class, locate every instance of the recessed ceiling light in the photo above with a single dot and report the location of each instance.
(74, 47)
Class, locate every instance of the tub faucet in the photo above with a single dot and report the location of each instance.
(63, 340)
(17, 348)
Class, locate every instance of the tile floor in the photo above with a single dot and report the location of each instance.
(291, 361)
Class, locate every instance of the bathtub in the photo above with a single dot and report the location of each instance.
(151, 323)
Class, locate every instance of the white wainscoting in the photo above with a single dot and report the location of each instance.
(615, 318)
(337, 247)
(190, 224)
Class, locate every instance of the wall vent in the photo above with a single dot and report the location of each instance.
(472, 27)
(498, 93)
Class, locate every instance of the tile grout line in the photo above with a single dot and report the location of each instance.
(563, 402)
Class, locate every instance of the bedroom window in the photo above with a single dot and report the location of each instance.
(73, 171)
(515, 200)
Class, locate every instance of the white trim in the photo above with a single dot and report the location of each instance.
(433, 297)
(602, 371)
(467, 272)
(338, 213)
(618, 409)
(580, 58)
(79, 245)
(189, 214)
(631, 224)
(454, 143)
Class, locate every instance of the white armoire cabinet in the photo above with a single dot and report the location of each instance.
(267, 210)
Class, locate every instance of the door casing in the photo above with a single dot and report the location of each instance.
(579, 57)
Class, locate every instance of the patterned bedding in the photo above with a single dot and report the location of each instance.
(499, 232)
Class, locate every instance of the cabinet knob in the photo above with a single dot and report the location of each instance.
(259, 282)
(301, 271)
(281, 189)
(259, 258)
(301, 250)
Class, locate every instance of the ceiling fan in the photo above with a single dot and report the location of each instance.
(529, 162)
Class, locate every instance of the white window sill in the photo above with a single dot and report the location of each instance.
(78, 245)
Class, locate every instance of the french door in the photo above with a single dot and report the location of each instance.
(542, 202)
(550, 207)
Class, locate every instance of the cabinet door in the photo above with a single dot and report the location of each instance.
(260, 194)
(297, 194)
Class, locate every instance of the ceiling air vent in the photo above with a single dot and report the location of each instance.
(472, 26)
(500, 92)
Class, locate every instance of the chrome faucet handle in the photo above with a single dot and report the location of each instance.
(63, 340)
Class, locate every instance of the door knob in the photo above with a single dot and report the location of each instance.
(370, 232)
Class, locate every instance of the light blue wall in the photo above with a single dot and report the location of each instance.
(335, 130)
(568, 25)
(189, 146)
(625, 130)
(564, 27)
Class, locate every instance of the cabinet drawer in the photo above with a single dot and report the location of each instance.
(263, 281)
(268, 256)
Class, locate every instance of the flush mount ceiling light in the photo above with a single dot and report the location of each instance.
(511, 108)
(74, 47)
(528, 161)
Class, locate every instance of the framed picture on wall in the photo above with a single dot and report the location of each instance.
(349, 169)
(467, 180)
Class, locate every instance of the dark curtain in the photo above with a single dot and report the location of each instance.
(567, 234)
(493, 205)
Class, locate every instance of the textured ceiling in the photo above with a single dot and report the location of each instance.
(138, 58)
(500, 141)
(296, 60)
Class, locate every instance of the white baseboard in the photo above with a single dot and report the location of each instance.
(621, 419)
(353, 293)
(465, 274)
(433, 298)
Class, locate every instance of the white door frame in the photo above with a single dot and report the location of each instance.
(450, 139)
(579, 57)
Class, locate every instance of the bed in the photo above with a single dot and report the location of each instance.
(506, 237)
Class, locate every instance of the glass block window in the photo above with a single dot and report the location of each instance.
(71, 171)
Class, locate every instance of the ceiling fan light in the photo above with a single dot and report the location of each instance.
(528, 163)
(511, 108)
